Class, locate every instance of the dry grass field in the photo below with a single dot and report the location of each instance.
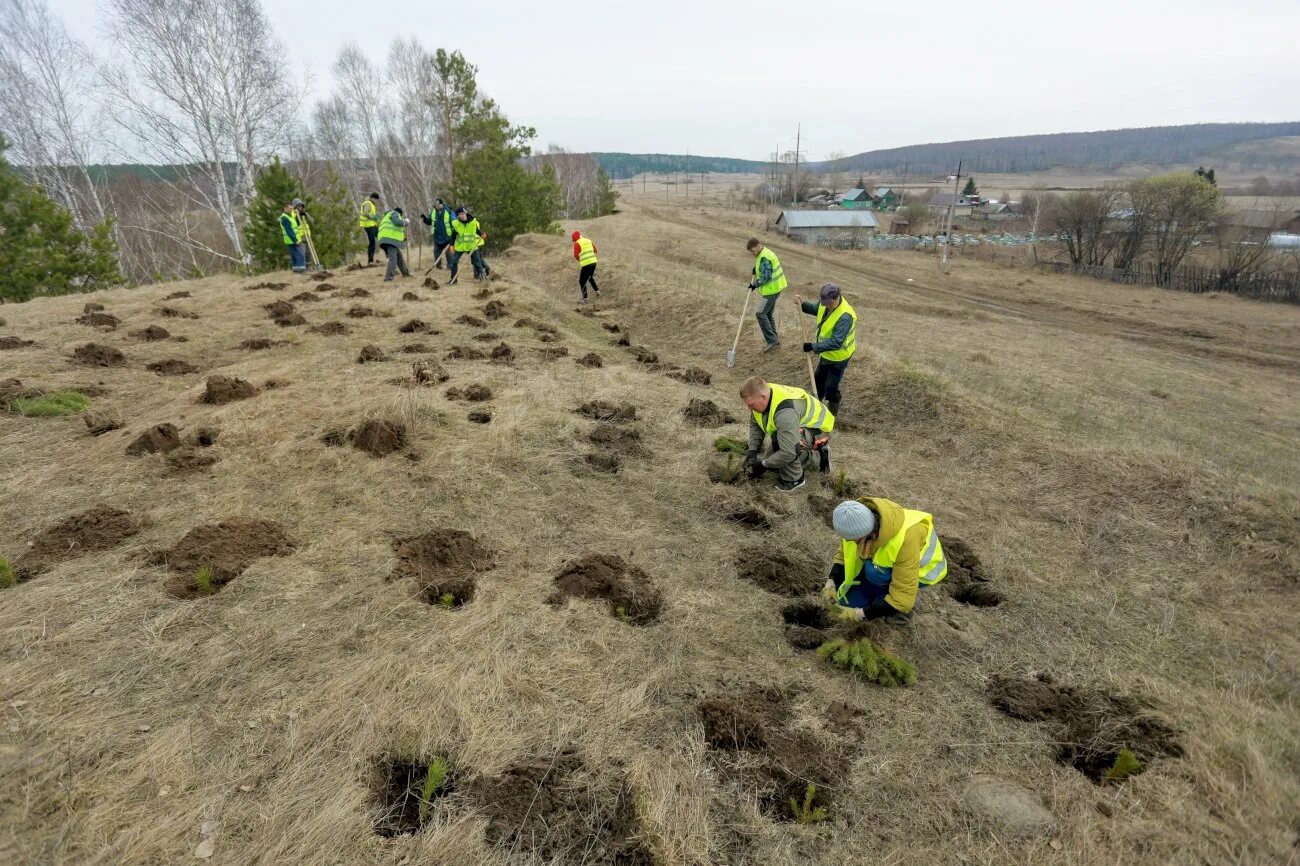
(248, 646)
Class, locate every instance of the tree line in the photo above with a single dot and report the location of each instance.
(197, 102)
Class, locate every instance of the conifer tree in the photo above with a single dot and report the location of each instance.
(970, 188)
(334, 230)
(491, 181)
(263, 241)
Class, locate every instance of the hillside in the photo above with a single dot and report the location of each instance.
(512, 556)
(624, 165)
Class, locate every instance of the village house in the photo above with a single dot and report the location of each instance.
(817, 226)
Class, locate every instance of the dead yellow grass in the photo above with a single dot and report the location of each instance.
(1146, 545)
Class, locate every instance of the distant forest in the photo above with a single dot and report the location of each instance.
(625, 165)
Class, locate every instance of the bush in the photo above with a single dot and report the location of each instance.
(863, 658)
(50, 405)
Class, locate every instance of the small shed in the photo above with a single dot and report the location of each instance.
(855, 199)
(817, 226)
(961, 205)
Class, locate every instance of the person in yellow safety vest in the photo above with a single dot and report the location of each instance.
(835, 341)
(438, 219)
(290, 231)
(887, 554)
(392, 238)
(370, 222)
(769, 280)
(477, 259)
(466, 234)
(798, 424)
(584, 253)
(304, 225)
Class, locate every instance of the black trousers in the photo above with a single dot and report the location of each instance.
(587, 275)
(372, 235)
(827, 377)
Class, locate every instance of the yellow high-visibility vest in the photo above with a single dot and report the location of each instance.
(586, 252)
(389, 231)
(815, 415)
(880, 568)
(368, 215)
(777, 283)
(826, 326)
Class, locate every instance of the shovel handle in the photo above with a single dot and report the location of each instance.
(743, 310)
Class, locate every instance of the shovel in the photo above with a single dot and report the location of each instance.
(803, 330)
(731, 355)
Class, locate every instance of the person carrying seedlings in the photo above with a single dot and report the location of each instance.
(467, 238)
(769, 280)
(439, 221)
(799, 425)
(392, 239)
(370, 222)
(292, 235)
(887, 553)
(835, 341)
(584, 253)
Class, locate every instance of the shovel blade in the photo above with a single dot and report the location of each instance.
(731, 357)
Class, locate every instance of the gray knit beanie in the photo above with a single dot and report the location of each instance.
(853, 520)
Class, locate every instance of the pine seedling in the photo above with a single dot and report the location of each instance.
(7, 576)
(863, 658)
(727, 445)
(806, 812)
(841, 483)
(447, 600)
(203, 581)
(434, 778)
(620, 613)
(1126, 764)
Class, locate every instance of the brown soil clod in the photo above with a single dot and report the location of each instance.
(151, 334)
(429, 372)
(259, 343)
(223, 551)
(624, 340)
(92, 308)
(416, 349)
(175, 313)
(171, 367)
(779, 572)
(644, 355)
(227, 389)
(692, 376)
(480, 417)
(15, 343)
(443, 563)
(622, 440)
(464, 353)
(99, 320)
(549, 338)
(355, 266)
(371, 353)
(553, 353)
(93, 355)
(379, 438)
(431, 283)
(1090, 726)
(410, 296)
(13, 389)
(155, 440)
(706, 413)
(473, 321)
(320, 276)
(277, 309)
(360, 312)
(603, 410)
(399, 795)
(330, 329)
(750, 517)
(291, 320)
(275, 287)
(306, 298)
(205, 437)
(591, 359)
(503, 353)
(626, 589)
(353, 293)
(324, 287)
(101, 421)
(470, 393)
(187, 459)
(486, 337)
(603, 462)
(91, 531)
(495, 310)
(175, 296)
(417, 326)
(482, 294)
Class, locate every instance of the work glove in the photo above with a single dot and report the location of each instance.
(756, 469)
(847, 614)
(753, 286)
(807, 347)
(829, 590)
(751, 457)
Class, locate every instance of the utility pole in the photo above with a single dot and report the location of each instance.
(947, 233)
(798, 133)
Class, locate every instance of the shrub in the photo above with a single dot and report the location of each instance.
(50, 405)
(863, 658)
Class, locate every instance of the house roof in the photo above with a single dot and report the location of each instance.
(832, 219)
(993, 208)
(854, 195)
(943, 199)
(882, 191)
(1258, 219)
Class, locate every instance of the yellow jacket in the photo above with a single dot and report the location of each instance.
(905, 574)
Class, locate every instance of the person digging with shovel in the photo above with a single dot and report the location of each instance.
(769, 281)
(798, 424)
(835, 340)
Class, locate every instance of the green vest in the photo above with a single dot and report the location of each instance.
(466, 235)
(879, 571)
(778, 282)
(390, 232)
(826, 326)
(815, 414)
(586, 252)
(292, 222)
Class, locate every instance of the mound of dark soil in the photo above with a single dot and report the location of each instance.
(470, 393)
(626, 589)
(410, 296)
(624, 340)
(379, 438)
(92, 308)
(692, 376)
(482, 294)
(205, 437)
(644, 355)
(14, 343)
(399, 795)
(486, 337)
(187, 459)
(99, 320)
(175, 313)
(323, 288)
(553, 353)
(621, 440)
(442, 563)
(428, 372)
(464, 353)
(474, 321)
(371, 353)
(260, 343)
(291, 320)
(525, 322)
(360, 312)
(480, 417)
(1091, 726)
(175, 296)
(278, 309)
(416, 326)
(549, 338)
(416, 349)
(90, 531)
(306, 298)
(431, 283)
(155, 440)
(320, 276)
(503, 353)
(603, 410)
(551, 812)
(227, 389)
(706, 413)
(603, 462)
(100, 421)
(275, 287)
(330, 329)
(495, 310)
(98, 356)
(591, 359)
(226, 549)
(777, 571)
(151, 334)
(171, 367)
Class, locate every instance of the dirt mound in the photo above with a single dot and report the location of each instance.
(644, 355)
(100, 421)
(306, 298)
(624, 340)
(464, 353)
(503, 353)
(275, 287)
(416, 326)
(469, 320)
(98, 356)
(371, 353)
(480, 417)
(602, 576)
(175, 296)
(260, 343)
(399, 793)
(410, 296)
(320, 277)
(227, 389)
(150, 334)
(15, 343)
(553, 353)
(360, 312)
(155, 440)
(603, 410)
(416, 349)
(99, 320)
(443, 564)
(291, 320)
(92, 308)
(187, 459)
(175, 313)
(591, 359)
(779, 572)
(525, 322)
(602, 462)
(495, 310)
(379, 438)
(470, 393)
(549, 810)
(330, 329)
(692, 376)
(171, 367)
(1090, 726)
(481, 294)
(222, 551)
(91, 531)
(431, 283)
(621, 440)
(428, 372)
(277, 309)
(706, 413)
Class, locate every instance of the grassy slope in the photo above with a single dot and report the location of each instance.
(1117, 521)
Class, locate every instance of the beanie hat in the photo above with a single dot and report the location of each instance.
(853, 520)
(577, 235)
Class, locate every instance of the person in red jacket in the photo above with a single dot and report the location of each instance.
(584, 253)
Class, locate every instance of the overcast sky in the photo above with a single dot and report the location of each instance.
(707, 78)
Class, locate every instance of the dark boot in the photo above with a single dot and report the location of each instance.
(834, 406)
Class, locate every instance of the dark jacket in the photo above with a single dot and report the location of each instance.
(441, 223)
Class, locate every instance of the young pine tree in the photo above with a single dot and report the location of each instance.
(334, 230)
(263, 241)
(40, 251)
(606, 195)
(970, 188)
